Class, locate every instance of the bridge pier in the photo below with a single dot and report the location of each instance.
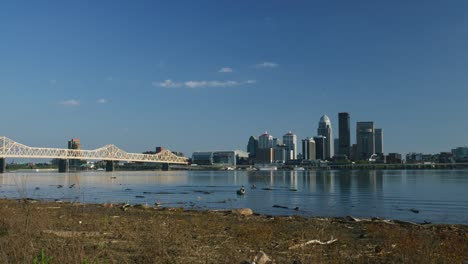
(165, 167)
(109, 165)
(2, 165)
(63, 165)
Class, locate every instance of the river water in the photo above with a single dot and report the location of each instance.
(438, 196)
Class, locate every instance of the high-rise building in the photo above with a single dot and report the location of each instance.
(252, 147)
(344, 134)
(280, 153)
(290, 141)
(74, 143)
(325, 130)
(365, 140)
(308, 149)
(265, 141)
(320, 142)
(379, 141)
(276, 142)
(336, 144)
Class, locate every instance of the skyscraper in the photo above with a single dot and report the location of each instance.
(252, 147)
(290, 140)
(308, 149)
(325, 130)
(320, 142)
(365, 140)
(74, 143)
(344, 134)
(265, 141)
(379, 141)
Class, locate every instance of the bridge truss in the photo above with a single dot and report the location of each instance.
(12, 149)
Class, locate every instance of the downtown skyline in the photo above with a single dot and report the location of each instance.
(207, 75)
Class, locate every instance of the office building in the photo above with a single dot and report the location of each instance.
(290, 141)
(280, 153)
(308, 149)
(344, 134)
(221, 158)
(74, 164)
(325, 130)
(265, 141)
(252, 147)
(379, 141)
(365, 140)
(320, 142)
(460, 154)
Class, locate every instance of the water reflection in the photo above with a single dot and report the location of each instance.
(440, 196)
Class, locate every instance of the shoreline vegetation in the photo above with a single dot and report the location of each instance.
(34, 231)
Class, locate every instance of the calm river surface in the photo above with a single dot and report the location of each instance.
(439, 196)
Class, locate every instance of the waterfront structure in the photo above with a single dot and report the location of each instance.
(252, 147)
(460, 154)
(325, 129)
(290, 141)
(308, 149)
(379, 147)
(265, 141)
(365, 140)
(320, 142)
(344, 134)
(222, 158)
(393, 158)
(108, 153)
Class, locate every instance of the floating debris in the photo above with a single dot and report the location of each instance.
(414, 211)
(280, 206)
(241, 191)
(139, 196)
(71, 186)
(59, 186)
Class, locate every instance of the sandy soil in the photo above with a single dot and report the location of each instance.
(48, 232)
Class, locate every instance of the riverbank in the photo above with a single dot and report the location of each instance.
(92, 233)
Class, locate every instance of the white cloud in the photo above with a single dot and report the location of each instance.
(167, 84)
(71, 102)
(225, 70)
(201, 84)
(102, 101)
(267, 65)
(197, 84)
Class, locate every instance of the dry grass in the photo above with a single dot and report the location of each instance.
(75, 233)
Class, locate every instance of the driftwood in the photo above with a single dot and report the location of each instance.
(315, 241)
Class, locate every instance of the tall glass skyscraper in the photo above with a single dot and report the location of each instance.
(365, 140)
(379, 141)
(325, 129)
(290, 140)
(344, 134)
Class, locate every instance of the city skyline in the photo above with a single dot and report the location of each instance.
(208, 75)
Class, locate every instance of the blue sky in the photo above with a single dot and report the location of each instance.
(205, 75)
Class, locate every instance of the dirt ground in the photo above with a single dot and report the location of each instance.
(48, 232)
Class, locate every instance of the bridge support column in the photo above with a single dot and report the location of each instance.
(165, 167)
(63, 165)
(2, 165)
(110, 165)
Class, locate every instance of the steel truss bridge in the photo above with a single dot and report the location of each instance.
(12, 149)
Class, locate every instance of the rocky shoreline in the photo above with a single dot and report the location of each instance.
(93, 233)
